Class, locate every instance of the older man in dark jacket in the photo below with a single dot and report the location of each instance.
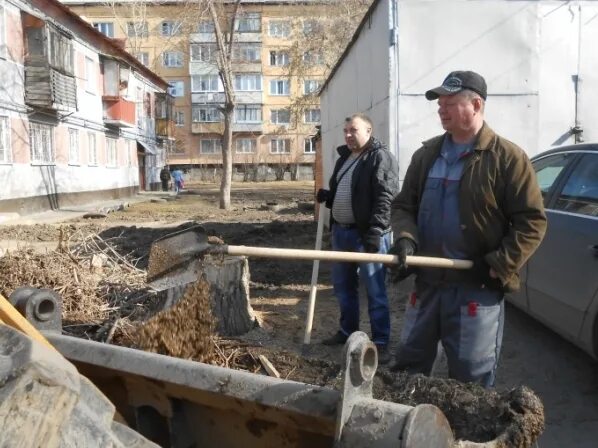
(363, 184)
(467, 194)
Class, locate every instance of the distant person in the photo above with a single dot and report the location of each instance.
(468, 194)
(177, 177)
(363, 184)
(165, 177)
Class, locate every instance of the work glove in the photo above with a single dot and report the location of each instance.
(481, 272)
(402, 248)
(323, 195)
(371, 241)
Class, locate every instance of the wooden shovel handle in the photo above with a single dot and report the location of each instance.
(11, 317)
(358, 257)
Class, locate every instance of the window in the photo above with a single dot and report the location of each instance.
(41, 142)
(73, 146)
(312, 116)
(3, 52)
(205, 26)
(311, 26)
(279, 58)
(309, 145)
(548, 170)
(311, 86)
(279, 28)
(110, 152)
(106, 28)
(203, 52)
(170, 28)
(280, 116)
(279, 87)
(172, 59)
(246, 145)
(205, 83)
(210, 146)
(137, 29)
(5, 143)
(248, 113)
(179, 118)
(248, 82)
(580, 193)
(143, 57)
(61, 51)
(313, 58)
(247, 53)
(92, 150)
(280, 146)
(249, 23)
(206, 114)
(90, 75)
(177, 88)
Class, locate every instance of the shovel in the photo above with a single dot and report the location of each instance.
(171, 256)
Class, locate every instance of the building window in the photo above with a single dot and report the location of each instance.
(279, 87)
(309, 145)
(92, 150)
(5, 143)
(110, 152)
(41, 143)
(179, 118)
(280, 116)
(247, 53)
(170, 28)
(106, 28)
(205, 26)
(137, 29)
(246, 145)
(280, 146)
(312, 116)
(206, 114)
(172, 59)
(73, 146)
(3, 51)
(313, 58)
(205, 83)
(210, 146)
(60, 51)
(279, 58)
(279, 28)
(176, 88)
(90, 76)
(248, 83)
(143, 57)
(248, 113)
(249, 23)
(311, 26)
(311, 86)
(203, 52)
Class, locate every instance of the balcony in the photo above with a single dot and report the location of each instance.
(119, 112)
(165, 128)
(208, 98)
(254, 128)
(248, 97)
(211, 37)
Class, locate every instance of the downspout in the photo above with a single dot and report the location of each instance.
(577, 129)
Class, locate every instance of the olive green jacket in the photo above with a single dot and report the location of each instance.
(501, 207)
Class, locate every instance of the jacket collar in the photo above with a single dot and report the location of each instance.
(483, 141)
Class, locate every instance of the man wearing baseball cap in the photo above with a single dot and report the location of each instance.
(468, 194)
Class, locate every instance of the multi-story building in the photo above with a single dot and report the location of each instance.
(76, 111)
(275, 83)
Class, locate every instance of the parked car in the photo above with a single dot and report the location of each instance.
(560, 281)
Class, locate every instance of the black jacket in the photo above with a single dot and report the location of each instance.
(374, 185)
(165, 174)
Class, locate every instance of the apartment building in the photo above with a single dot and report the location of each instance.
(277, 108)
(76, 112)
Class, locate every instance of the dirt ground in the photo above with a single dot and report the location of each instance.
(281, 215)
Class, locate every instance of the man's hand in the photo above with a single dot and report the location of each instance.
(486, 275)
(401, 248)
(371, 241)
(323, 195)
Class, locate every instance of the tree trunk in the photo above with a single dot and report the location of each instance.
(227, 157)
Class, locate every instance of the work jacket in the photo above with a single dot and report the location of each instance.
(500, 204)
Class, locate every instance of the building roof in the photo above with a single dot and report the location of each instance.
(106, 45)
(342, 57)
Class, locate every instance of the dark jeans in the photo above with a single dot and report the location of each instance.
(346, 276)
(164, 185)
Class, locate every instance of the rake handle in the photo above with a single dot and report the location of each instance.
(357, 257)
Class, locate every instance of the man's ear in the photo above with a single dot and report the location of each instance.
(477, 104)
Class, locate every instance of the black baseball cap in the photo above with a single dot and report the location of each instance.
(458, 81)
